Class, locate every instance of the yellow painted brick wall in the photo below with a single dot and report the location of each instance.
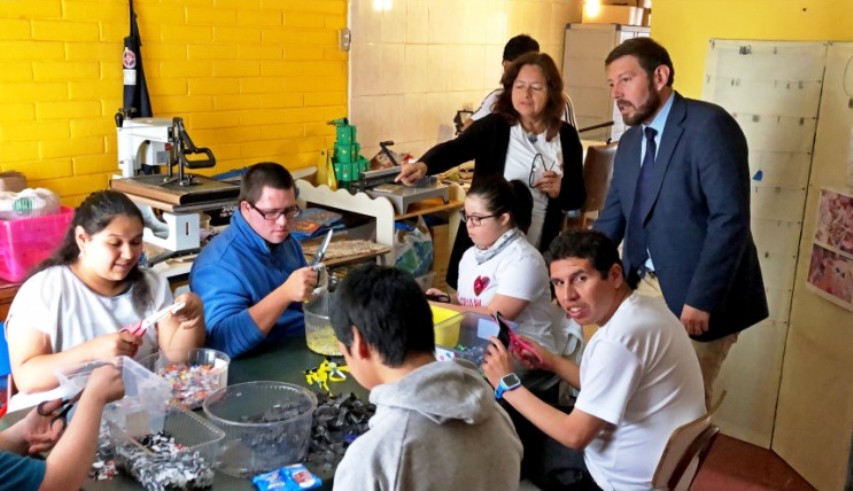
(253, 79)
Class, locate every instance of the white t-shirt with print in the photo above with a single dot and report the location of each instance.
(520, 155)
(639, 373)
(518, 271)
(57, 303)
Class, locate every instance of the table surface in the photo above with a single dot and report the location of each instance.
(285, 364)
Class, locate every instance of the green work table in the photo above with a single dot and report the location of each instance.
(285, 364)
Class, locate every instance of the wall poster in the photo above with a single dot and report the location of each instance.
(831, 267)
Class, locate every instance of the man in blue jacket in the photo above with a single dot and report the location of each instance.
(253, 277)
(680, 198)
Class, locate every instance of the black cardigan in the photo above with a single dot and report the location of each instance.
(486, 142)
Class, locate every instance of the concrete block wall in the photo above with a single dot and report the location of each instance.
(253, 79)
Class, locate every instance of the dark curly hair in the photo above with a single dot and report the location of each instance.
(592, 245)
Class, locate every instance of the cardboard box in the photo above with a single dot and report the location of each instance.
(12, 181)
(441, 255)
(614, 14)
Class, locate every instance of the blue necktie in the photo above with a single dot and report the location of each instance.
(643, 196)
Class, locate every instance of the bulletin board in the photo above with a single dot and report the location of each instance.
(773, 90)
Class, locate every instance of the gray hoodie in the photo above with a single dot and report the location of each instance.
(438, 428)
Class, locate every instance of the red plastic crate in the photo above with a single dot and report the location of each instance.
(27, 241)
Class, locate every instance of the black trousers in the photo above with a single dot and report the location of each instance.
(547, 463)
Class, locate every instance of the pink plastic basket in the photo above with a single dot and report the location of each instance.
(27, 241)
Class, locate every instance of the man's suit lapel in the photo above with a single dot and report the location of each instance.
(671, 134)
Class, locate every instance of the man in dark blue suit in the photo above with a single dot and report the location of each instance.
(680, 199)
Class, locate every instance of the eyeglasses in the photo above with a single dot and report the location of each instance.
(273, 215)
(531, 178)
(475, 221)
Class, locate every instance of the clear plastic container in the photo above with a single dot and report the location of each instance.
(28, 241)
(142, 410)
(200, 443)
(267, 425)
(319, 334)
(465, 335)
(193, 374)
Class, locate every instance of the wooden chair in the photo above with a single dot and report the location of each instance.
(597, 172)
(685, 451)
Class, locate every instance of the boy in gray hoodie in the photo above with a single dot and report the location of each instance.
(437, 425)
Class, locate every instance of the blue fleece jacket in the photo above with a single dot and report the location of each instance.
(234, 272)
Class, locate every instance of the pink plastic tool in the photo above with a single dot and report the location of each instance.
(516, 344)
(139, 328)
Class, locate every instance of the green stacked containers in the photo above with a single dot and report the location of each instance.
(347, 160)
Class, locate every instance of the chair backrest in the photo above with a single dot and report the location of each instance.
(684, 452)
(597, 172)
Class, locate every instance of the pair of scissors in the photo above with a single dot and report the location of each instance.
(321, 251)
(61, 412)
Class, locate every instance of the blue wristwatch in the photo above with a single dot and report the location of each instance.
(509, 382)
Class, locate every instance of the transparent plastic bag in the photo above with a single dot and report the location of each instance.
(413, 247)
(28, 203)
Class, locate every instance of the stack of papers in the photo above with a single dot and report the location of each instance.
(313, 222)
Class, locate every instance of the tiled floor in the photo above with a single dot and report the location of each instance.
(734, 465)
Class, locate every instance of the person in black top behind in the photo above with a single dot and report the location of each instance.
(524, 139)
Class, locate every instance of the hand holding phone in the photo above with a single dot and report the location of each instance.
(516, 344)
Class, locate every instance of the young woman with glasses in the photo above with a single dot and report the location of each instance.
(525, 139)
(502, 271)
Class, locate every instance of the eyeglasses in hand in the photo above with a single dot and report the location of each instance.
(273, 215)
(475, 221)
(531, 178)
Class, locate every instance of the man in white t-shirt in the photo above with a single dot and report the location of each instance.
(638, 379)
(515, 47)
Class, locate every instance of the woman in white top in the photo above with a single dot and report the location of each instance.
(525, 139)
(502, 271)
(73, 307)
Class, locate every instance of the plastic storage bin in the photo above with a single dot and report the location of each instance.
(319, 334)
(464, 335)
(193, 374)
(190, 467)
(27, 241)
(142, 410)
(266, 424)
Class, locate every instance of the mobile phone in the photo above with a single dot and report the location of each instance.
(514, 343)
(438, 297)
(504, 332)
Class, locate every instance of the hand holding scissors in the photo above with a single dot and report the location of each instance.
(59, 413)
(139, 328)
(321, 251)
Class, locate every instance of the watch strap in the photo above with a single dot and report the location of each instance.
(503, 388)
